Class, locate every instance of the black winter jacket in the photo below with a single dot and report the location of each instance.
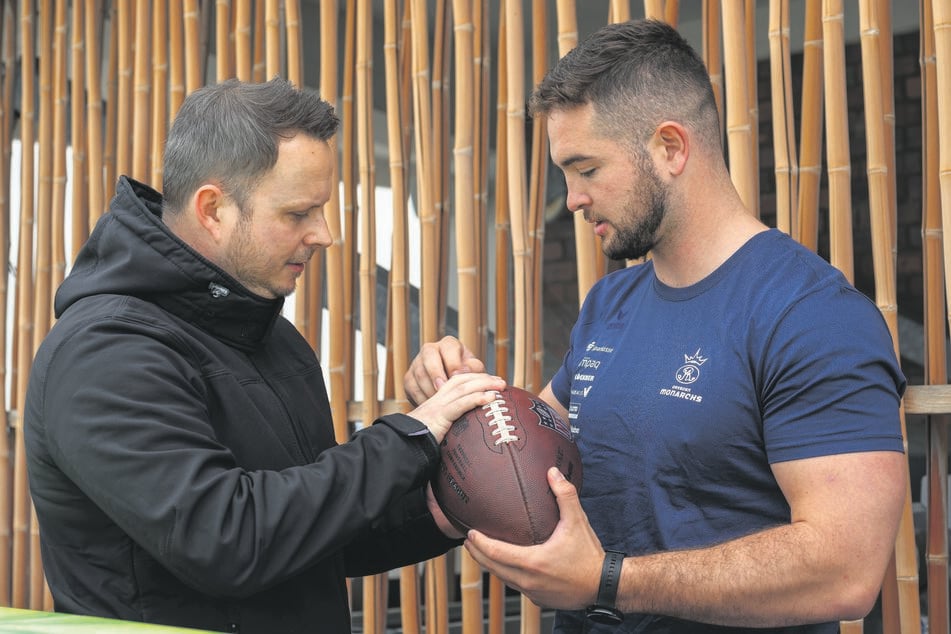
(181, 454)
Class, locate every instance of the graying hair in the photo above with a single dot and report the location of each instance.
(229, 133)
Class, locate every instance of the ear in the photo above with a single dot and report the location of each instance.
(208, 206)
(672, 147)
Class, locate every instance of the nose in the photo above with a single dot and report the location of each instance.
(577, 201)
(319, 235)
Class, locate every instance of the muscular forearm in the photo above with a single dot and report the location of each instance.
(781, 576)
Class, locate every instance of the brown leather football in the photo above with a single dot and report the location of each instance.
(492, 476)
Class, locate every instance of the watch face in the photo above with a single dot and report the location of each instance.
(605, 616)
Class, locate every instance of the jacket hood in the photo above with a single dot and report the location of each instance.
(132, 252)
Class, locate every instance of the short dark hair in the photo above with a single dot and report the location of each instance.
(230, 132)
(635, 74)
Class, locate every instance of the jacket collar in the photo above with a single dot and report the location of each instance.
(132, 252)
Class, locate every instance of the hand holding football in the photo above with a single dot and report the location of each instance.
(493, 473)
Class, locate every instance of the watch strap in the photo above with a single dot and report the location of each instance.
(605, 609)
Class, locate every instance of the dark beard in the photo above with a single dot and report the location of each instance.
(633, 242)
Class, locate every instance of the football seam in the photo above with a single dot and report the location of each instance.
(522, 496)
(499, 420)
(497, 413)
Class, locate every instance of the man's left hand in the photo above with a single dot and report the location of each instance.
(563, 572)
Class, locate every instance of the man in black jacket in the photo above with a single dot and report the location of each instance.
(180, 449)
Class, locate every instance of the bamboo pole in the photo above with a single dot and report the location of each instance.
(437, 617)
(346, 143)
(837, 138)
(495, 616)
(338, 323)
(272, 37)
(52, 155)
(349, 167)
(47, 155)
(309, 290)
(159, 89)
(242, 40)
(62, 113)
(176, 69)
(193, 53)
(223, 67)
(425, 185)
(884, 214)
(620, 10)
(531, 613)
(672, 12)
(44, 191)
(784, 132)
(374, 587)
(406, 82)
(712, 55)
(295, 51)
(42, 274)
(886, 55)
(206, 27)
(935, 366)
(294, 54)
(79, 199)
(257, 62)
(890, 598)
(653, 9)
(441, 140)
(806, 227)
(480, 163)
(467, 267)
(399, 265)
(752, 99)
(503, 230)
(538, 184)
(897, 595)
(517, 199)
(503, 272)
(24, 289)
(123, 98)
(110, 102)
(535, 225)
(838, 160)
(566, 15)
(739, 127)
(6, 463)
(93, 137)
(141, 111)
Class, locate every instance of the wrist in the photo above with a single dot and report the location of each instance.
(604, 610)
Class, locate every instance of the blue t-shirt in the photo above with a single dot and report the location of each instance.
(681, 398)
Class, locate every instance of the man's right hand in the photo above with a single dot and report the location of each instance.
(433, 366)
(455, 397)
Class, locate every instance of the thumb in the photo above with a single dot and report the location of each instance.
(565, 492)
(470, 362)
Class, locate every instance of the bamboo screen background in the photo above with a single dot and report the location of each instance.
(103, 78)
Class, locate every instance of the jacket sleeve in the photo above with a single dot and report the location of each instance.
(124, 414)
(406, 533)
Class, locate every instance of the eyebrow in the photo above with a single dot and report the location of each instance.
(571, 160)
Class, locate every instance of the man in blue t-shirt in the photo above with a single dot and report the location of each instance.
(734, 398)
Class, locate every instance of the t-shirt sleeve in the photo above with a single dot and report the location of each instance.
(833, 386)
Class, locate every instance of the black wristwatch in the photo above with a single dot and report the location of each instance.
(604, 609)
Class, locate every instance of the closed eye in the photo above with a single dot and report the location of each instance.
(299, 215)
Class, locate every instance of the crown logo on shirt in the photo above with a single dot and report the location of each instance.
(695, 359)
